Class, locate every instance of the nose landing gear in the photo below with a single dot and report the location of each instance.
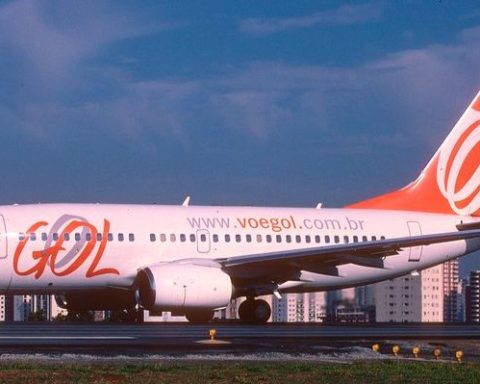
(254, 311)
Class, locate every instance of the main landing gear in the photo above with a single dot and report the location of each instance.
(135, 315)
(254, 311)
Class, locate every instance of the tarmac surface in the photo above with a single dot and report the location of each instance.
(275, 341)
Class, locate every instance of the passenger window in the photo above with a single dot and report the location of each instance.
(345, 239)
(99, 237)
(215, 238)
(308, 239)
(77, 236)
(131, 237)
(121, 237)
(298, 239)
(227, 238)
(193, 237)
(183, 238)
(382, 237)
(355, 239)
(44, 236)
(33, 236)
(21, 236)
(279, 238)
(55, 236)
(88, 236)
(364, 238)
(374, 238)
(268, 238)
(238, 238)
(203, 238)
(249, 238)
(317, 239)
(66, 236)
(288, 238)
(259, 238)
(336, 239)
(173, 238)
(327, 239)
(110, 237)
(153, 237)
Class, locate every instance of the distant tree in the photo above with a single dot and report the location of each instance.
(60, 317)
(74, 316)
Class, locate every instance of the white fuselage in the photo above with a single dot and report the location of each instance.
(84, 246)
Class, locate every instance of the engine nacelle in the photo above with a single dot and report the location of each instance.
(183, 286)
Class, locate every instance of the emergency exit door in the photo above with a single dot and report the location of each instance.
(203, 241)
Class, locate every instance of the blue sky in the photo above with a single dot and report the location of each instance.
(251, 103)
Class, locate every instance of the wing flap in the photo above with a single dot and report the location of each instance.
(281, 266)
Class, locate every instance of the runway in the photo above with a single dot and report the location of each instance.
(165, 336)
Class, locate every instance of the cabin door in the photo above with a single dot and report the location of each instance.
(203, 241)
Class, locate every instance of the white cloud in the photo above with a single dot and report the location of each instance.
(334, 107)
(420, 92)
(344, 15)
(51, 40)
(51, 61)
(253, 111)
(419, 89)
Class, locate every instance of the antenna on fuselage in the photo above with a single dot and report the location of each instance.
(186, 202)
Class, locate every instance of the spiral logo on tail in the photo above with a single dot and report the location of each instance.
(458, 172)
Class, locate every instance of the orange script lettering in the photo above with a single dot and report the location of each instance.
(47, 257)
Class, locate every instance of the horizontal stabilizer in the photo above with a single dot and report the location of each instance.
(468, 226)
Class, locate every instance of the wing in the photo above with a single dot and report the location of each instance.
(277, 267)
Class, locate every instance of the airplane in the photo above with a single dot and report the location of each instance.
(192, 260)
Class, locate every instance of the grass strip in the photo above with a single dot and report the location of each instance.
(242, 372)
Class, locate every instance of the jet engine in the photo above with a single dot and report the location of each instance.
(186, 286)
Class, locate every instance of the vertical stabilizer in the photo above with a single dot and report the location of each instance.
(450, 183)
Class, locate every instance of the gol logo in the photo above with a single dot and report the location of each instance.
(60, 260)
(458, 172)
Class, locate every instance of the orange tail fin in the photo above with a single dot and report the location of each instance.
(450, 183)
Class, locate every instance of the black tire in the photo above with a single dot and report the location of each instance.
(135, 315)
(246, 311)
(254, 311)
(262, 311)
(200, 316)
(140, 318)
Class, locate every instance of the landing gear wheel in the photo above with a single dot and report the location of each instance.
(135, 315)
(262, 311)
(254, 311)
(140, 318)
(246, 311)
(199, 317)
